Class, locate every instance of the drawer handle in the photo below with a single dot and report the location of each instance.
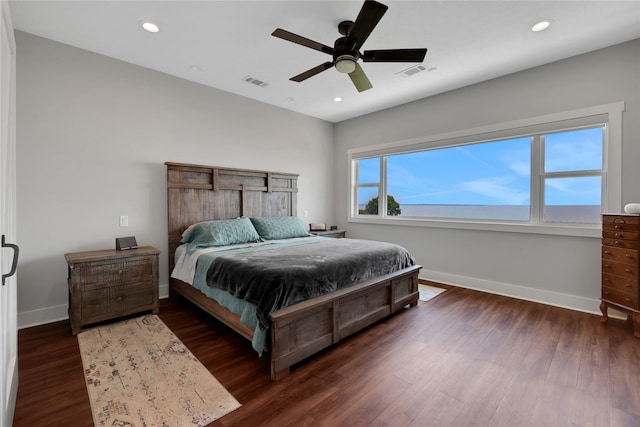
(119, 271)
(628, 299)
(617, 243)
(627, 270)
(626, 255)
(617, 235)
(606, 266)
(606, 293)
(628, 285)
(119, 298)
(606, 279)
(606, 252)
(616, 227)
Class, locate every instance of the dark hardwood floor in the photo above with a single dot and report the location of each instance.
(463, 358)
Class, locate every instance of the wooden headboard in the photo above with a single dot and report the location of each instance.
(198, 193)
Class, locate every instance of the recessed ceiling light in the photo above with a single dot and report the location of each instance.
(150, 27)
(542, 25)
(337, 99)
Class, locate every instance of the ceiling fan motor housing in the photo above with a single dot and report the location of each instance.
(344, 57)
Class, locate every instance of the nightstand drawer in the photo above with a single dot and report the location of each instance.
(113, 300)
(618, 297)
(115, 272)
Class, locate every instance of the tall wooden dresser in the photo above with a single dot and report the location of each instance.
(621, 266)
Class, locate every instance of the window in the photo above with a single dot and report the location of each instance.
(550, 174)
(573, 175)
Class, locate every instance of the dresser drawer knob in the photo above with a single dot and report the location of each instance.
(628, 285)
(119, 298)
(628, 299)
(617, 227)
(606, 279)
(627, 270)
(606, 293)
(606, 266)
(617, 243)
(606, 252)
(119, 271)
(618, 235)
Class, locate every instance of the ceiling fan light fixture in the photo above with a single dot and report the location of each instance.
(346, 64)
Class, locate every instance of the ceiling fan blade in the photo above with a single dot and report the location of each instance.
(294, 38)
(394, 55)
(367, 19)
(359, 79)
(312, 72)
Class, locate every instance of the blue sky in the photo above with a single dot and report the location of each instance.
(495, 173)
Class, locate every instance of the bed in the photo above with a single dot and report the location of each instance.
(198, 194)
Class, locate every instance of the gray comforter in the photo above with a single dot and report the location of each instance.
(279, 277)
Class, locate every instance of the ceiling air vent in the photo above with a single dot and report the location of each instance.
(411, 71)
(256, 82)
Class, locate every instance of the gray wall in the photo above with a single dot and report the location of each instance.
(554, 269)
(93, 134)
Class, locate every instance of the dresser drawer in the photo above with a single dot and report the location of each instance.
(622, 220)
(626, 256)
(115, 300)
(620, 269)
(116, 272)
(618, 297)
(621, 283)
(619, 235)
(617, 243)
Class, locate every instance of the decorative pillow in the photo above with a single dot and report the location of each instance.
(220, 232)
(280, 227)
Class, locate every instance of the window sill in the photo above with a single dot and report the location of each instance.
(573, 230)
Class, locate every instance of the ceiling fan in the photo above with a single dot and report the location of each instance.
(346, 49)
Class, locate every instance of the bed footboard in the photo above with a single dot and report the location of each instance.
(302, 330)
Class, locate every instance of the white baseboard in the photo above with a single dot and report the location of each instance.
(42, 316)
(573, 302)
(26, 319)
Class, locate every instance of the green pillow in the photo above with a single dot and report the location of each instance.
(222, 232)
(280, 227)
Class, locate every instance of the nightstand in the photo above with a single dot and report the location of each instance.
(107, 284)
(334, 234)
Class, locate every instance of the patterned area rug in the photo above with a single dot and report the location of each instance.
(138, 373)
(427, 292)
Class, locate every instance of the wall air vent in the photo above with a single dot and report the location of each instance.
(256, 82)
(411, 71)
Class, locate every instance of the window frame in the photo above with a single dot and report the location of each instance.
(608, 114)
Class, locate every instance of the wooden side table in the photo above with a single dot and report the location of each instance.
(107, 284)
(334, 234)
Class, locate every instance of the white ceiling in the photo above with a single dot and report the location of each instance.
(218, 43)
